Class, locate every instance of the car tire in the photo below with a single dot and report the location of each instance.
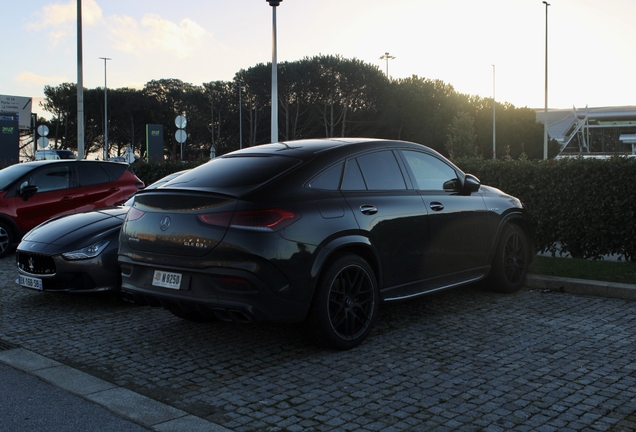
(6, 239)
(345, 305)
(511, 261)
(187, 313)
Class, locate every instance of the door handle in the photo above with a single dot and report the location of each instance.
(436, 206)
(368, 209)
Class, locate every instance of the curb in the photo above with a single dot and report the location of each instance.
(582, 286)
(129, 405)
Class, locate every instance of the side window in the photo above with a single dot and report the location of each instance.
(114, 170)
(328, 179)
(430, 173)
(381, 171)
(91, 174)
(51, 178)
(353, 177)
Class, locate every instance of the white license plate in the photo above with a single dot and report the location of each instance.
(30, 282)
(166, 279)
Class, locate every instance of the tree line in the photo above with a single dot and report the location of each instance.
(321, 96)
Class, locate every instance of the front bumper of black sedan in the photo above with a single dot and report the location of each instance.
(97, 274)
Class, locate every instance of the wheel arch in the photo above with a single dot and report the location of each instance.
(356, 244)
(10, 223)
(14, 231)
(515, 218)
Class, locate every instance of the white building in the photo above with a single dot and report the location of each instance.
(592, 131)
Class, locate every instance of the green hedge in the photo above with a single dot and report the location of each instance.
(585, 206)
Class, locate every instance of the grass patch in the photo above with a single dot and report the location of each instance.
(609, 271)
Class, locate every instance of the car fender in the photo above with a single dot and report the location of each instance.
(517, 218)
(354, 243)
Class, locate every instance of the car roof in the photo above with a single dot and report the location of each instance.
(304, 149)
(309, 145)
(53, 161)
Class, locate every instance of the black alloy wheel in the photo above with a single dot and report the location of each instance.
(511, 261)
(345, 306)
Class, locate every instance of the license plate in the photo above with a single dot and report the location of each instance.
(30, 282)
(166, 279)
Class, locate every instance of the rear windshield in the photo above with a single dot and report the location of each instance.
(235, 171)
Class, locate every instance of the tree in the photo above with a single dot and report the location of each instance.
(420, 110)
(294, 100)
(256, 99)
(219, 100)
(167, 100)
(61, 102)
(344, 94)
(461, 137)
(128, 119)
(321, 96)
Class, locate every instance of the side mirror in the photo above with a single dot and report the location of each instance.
(452, 185)
(471, 183)
(26, 190)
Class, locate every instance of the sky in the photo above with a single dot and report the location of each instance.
(480, 47)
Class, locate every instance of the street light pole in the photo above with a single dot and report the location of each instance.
(274, 126)
(545, 119)
(240, 90)
(80, 85)
(105, 110)
(494, 104)
(387, 57)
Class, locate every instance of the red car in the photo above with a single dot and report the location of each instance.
(34, 192)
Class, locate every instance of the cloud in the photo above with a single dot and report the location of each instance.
(31, 78)
(150, 34)
(61, 19)
(154, 33)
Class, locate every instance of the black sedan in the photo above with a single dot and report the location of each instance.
(75, 253)
(320, 232)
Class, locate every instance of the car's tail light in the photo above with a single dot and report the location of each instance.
(269, 220)
(134, 214)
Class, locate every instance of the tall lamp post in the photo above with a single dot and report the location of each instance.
(80, 85)
(274, 4)
(494, 104)
(105, 110)
(240, 90)
(387, 57)
(545, 119)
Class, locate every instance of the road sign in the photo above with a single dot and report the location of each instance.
(43, 130)
(181, 136)
(18, 106)
(43, 142)
(181, 122)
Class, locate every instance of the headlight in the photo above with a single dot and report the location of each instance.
(88, 252)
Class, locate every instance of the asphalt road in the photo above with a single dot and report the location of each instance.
(29, 404)
(465, 359)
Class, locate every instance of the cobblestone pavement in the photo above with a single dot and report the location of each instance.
(458, 360)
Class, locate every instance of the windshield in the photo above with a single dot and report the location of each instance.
(11, 173)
